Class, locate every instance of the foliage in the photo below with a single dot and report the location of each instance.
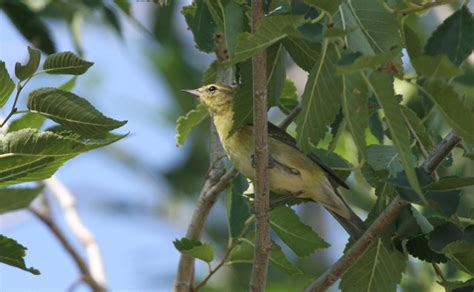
(352, 51)
(30, 154)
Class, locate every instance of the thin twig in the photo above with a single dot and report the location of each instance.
(216, 181)
(290, 117)
(440, 152)
(439, 272)
(78, 260)
(260, 136)
(68, 206)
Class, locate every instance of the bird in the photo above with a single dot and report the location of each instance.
(291, 172)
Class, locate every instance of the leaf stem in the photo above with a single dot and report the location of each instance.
(425, 6)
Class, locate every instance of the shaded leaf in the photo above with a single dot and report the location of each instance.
(412, 42)
(450, 105)
(436, 67)
(201, 23)
(238, 210)
(321, 100)
(300, 237)
(24, 72)
(28, 120)
(195, 248)
(357, 62)
(454, 37)
(418, 127)
(30, 25)
(71, 111)
(379, 269)
(186, 123)
(233, 25)
(6, 84)
(419, 247)
(451, 183)
(461, 253)
(303, 52)
(14, 199)
(382, 157)
(66, 63)
(447, 202)
(443, 234)
(326, 5)
(12, 253)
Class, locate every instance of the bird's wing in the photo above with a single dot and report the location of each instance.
(277, 133)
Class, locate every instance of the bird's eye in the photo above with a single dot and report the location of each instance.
(212, 88)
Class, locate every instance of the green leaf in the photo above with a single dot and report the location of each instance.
(436, 67)
(381, 85)
(244, 253)
(451, 183)
(14, 199)
(419, 247)
(357, 62)
(24, 72)
(321, 100)
(270, 30)
(238, 210)
(29, 155)
(300, 237)
(412, 42)
(423, 137)
(334, 161)
(202, 25)
(28, 120)
(210, 75)
(289, 97)
(233, 24)
(355, 109)
(461, 253)
(458, 286)
(276, 73)
(336, 32)
(12, 253)
(326, 5)
(71, 111)
(379, 30)
(29, 24)
(6, 85)
(379, 269)
(195, 248)
(384, 157)
(444, 234)
(447, 202)
(186, 123)
(66, 63)
(454, 37)
(451, 107)
(124, 5)
(68, 85)
(303, 52)
(111, 17)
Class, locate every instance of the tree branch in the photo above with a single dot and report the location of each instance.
(86, 276)
(290, 117)
(67, 203)
(262, 226)
(385, 218)
(216, 181)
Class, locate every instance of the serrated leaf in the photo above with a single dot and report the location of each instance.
(450, 183)
(423, 137)
(28, 120)
(451, 107)
(14, 199)
(29, 155)
(244, 253)
(412, 42)
(454, 37)
(29, 24)
(443, 234)
(24, 72)
(71, 111)
(379, 30)
(233, 24)
(436, 67)
(289, 97)
(6, 84)
(195, 248)
(418, 247)
(270, 30)
(386, 157)
(300, 237)
(12, 253)
(357, 62)
(326, 5)
(381, 85)
(321, 100)
(355, 109)
(66, 63)
(238, 210)
(303, 52)
(186, 123)
(202, 25)
(379, 269)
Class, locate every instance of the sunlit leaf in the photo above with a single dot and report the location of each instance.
(195, 248)
(6, 84)
(23, 72)
(18, 198)
(289, 97)
(186, 123)
(66, 63)
(71, 111)
(12, 253)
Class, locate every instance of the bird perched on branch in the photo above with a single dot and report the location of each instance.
(291, 172)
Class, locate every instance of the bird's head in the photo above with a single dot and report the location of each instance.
(216, 97)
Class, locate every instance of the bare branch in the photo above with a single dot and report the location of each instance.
(260, 135)
(216, 181)
(290, 117)
(440, 152)
(67, 203)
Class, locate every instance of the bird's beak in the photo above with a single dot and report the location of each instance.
(194, 92)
